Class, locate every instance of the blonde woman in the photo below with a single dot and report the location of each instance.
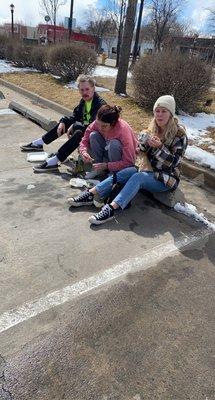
(164, 145)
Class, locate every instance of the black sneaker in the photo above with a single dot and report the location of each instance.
(84, 199)
(31, 147)
(106, 214)
(44, 167)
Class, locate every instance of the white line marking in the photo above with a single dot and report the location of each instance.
(31, 309)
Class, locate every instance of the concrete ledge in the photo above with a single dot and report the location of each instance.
(170, 199)
(200, 175)
(38, 99)
(45, 123)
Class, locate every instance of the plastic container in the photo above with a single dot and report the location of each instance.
(78, 182)
(35, 157)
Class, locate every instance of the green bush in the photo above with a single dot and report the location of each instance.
(70, 60)
(187, 79)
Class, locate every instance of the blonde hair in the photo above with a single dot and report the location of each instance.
(172, 129)
(85, 78)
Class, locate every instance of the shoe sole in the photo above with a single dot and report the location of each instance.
(40, 171)
(74, 204)
(97, 222)
(29, 149)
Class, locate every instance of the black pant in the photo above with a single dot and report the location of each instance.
(67, 148)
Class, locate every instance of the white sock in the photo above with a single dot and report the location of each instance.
(38, 142)
(52, 161)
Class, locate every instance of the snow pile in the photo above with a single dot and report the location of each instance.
(200, 156)
(196, 126)
(105, 72)
(7, 67)
(191, 211)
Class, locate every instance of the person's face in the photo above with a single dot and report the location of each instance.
(104, 127)
(86, 91)
(162, 116)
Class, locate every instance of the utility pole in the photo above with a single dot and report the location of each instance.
(136, 43)
(70, 19)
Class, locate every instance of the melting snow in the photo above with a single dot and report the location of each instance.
(191, 211)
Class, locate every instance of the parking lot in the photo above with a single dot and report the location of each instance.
(121, 311)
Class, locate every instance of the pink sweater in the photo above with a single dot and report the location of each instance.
(125, 134)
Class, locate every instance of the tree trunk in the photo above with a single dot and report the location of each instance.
(136, 43)
(120, 32)
(120, 86)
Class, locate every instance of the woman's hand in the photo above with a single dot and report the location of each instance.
(61, 129)
(86, 157)
(100, 166)
(154, 141)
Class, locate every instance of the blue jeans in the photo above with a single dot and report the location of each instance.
(104, 150)
(134, 181)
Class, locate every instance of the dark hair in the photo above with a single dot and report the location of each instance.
(109, 114)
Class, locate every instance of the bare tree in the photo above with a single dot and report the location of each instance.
(164, 13)
(211, 20)
(100, 23)
(120, 86)
(107, 22)
(50, 8)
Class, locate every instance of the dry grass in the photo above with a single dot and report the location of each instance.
(46, 86)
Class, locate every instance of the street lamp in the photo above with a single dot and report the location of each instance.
(70, 19)
(12, 11)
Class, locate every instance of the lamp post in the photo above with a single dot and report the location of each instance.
(12, 11)
(70, 19)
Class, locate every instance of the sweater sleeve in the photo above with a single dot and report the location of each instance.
(129, 144)
(85, 142)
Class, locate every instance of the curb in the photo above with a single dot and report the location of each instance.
(199, 174)
(45, 123)
(38, 99)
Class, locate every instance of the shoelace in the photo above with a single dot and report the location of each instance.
(83, 196)
(105, 212)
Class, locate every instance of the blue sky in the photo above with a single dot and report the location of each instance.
(27, 11)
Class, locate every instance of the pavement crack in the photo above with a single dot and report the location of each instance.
(4, 393)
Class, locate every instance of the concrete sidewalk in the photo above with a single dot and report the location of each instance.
(109, 312)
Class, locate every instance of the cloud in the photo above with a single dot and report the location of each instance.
(198, 13)
(29, 12)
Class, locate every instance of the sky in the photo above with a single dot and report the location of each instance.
(27, 11)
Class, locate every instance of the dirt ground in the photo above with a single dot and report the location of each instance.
(47, 86)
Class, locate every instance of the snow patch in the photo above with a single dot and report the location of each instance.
(200, 156)
(6, 111)
(196, 126)
(191, 211)
(6, 67)
(107, 72)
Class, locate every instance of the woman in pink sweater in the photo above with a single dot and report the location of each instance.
(109, 143)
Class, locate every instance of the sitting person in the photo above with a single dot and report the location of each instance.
(74, 125)
(164, 146)
(109, 143)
